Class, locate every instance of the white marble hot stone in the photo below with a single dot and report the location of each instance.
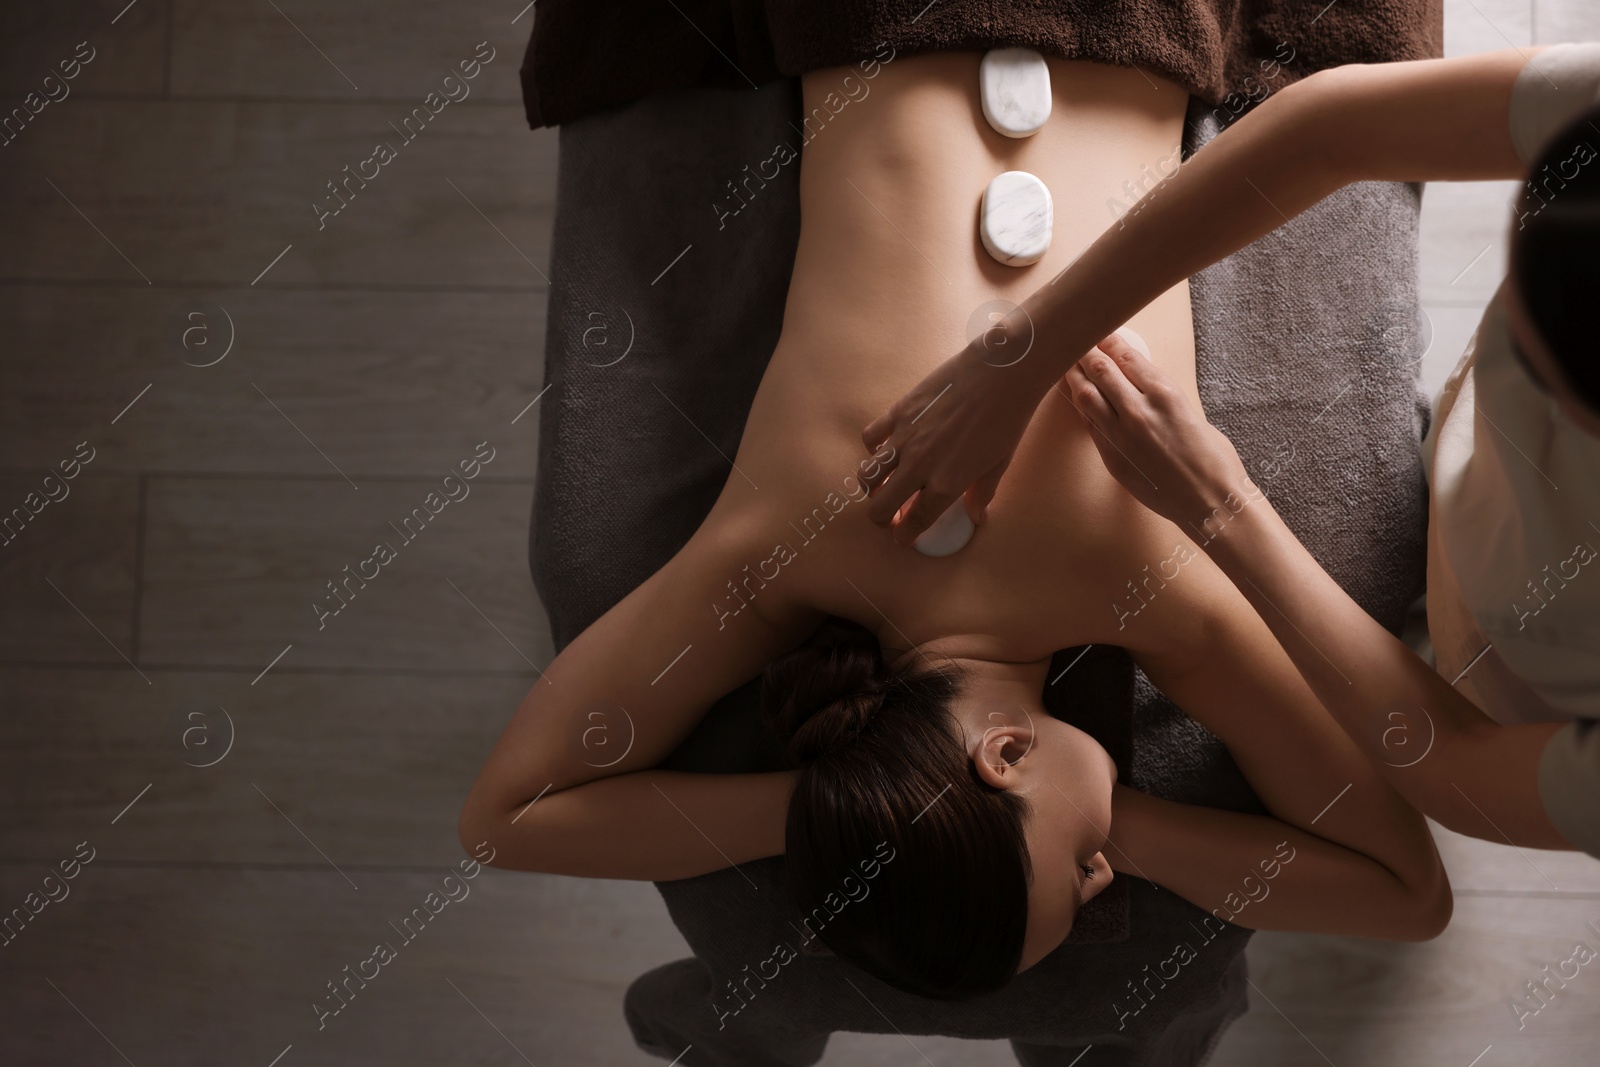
(949, 533)
(1014, 85)
(1017, 218)
(1130, 335)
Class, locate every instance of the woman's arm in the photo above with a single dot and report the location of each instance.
(569, 788)
(1429, 120)
(1426, 120)
(1340, 852)
(1431, 743)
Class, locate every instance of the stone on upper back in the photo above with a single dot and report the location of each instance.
(1014, 84)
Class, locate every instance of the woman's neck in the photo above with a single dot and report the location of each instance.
(993, 680)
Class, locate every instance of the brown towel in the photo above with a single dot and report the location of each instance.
(585, 56)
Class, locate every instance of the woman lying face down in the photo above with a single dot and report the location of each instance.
(997, 812)
(1000, 819)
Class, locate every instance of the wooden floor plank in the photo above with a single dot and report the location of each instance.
(240, 183)
(124, 57)
(391, 384)
(235, 571)
(1555, 21)
(1490, 867)
(1466, 229)
(205, 966)
(77, 554)
(1486, 25)
(372, 768)
(245, 954)
(235, 47)
(1347, 1001)
(1450, 329)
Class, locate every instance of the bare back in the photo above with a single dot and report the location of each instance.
(888, 275)
(890, 278)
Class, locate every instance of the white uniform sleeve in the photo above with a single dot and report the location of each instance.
(1569, 783)
(1553, 88)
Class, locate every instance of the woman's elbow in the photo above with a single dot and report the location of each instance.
(474, 832)
(504, 838)
(482, 832)
(1427, 909)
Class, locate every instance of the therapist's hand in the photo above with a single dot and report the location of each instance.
(1152, 438)
(953, 436)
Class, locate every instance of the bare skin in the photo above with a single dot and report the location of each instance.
(1430, 120)
(1427, 120)
(888, 273)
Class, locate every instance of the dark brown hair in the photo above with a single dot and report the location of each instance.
(882, 759)
(1555, 252)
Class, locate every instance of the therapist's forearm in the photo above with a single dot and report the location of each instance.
(1425, 121)
(1433, 745)
(1252, 179)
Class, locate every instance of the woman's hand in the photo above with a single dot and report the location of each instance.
(1152, 439)
(953, 435)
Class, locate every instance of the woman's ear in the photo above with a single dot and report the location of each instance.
(1000, 752)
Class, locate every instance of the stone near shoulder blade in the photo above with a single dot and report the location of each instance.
(1014, 85)
(949, 533)
(1130, 335)
(1017, 218)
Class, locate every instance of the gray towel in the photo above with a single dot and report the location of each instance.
(1307, 346)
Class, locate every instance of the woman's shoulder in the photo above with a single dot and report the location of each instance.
(743, 547)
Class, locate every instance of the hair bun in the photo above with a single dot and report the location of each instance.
(820, 696)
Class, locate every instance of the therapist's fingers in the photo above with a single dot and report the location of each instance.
(924, 510)
(980, 493)
(1106, 374)
(879, 439)
(876, 470)
(878, 430)
(1087, 398)
(1138, 368)
(1103, 422)
(889, 494)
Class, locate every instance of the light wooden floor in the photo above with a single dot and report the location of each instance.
(158, 618)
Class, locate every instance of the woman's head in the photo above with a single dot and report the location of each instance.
(1555, 271)
(974, 811)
